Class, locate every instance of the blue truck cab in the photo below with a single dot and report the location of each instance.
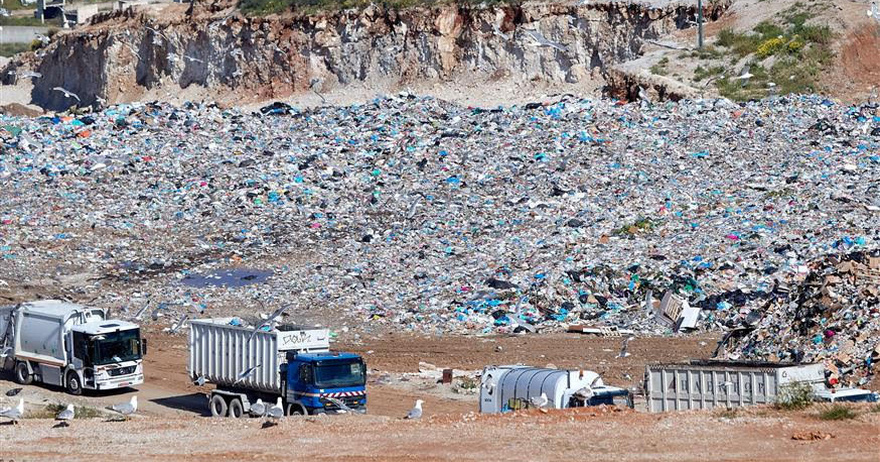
(312, 378)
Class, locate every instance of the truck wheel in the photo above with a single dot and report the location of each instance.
(236, 409)
(22, 375)
(294, 409)
(218, 406)
(74, 387)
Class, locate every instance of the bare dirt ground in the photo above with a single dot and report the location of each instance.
(172, 425)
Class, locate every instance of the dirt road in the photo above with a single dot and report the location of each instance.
(172, 425)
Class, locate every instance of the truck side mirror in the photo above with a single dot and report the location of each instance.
(144, 347)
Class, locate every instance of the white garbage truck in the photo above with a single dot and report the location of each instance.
(70, 345)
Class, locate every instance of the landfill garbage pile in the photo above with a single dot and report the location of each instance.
(832, 315)
(412, 213)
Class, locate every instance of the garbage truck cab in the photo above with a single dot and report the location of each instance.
(314, 377)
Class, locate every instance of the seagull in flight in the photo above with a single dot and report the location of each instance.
(541, 41)
(415, 412)
(623, 352)
(67, 94)
(268, 321)
(497, 31)
(246, 373)
(191, 59)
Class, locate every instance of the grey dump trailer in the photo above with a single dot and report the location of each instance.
(710, 384)
(69, 345)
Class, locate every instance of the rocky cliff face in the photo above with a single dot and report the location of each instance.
(260, 58)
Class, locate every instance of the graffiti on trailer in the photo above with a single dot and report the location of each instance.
(295, 338)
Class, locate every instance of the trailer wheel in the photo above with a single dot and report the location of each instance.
(236, 410)
(73, 385)
(218, 406)
(23, 375)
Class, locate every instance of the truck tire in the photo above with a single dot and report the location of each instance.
(23, 374)
(73, 384)
(236, 409)
(218, 406)
(294, 409)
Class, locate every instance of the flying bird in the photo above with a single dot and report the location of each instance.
(541, 41)
(176, 327)
(623, 352)
(258, 409)
(745, 75)
(246, 373)
(67, 93)
(415, 412)
(200, 381)
(126, 409)
(190, 58)
(31, 75)
(643, 95)
(15, 413)
(268, 321)
(874, 12)
(64, 417)
(539, 401)
(340, 404)
(497, 31)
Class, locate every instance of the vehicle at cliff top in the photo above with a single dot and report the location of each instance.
(412, 213)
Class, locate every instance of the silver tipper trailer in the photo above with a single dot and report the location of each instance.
(510, 388)
(70, 345)
(220, 351)
(709, 384)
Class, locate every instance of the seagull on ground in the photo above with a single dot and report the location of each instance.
(65, 416)
(539, 401)
(416, 411)
(126, 409)
(67, 94)
(258, 409)
(15, 413)
(274, 413)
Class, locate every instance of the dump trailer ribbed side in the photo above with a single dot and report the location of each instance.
(711, 384)
(220, 352)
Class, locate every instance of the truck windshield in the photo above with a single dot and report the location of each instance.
(340, 374)
(116, 347)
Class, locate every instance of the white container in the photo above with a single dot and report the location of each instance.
(509, 388)
(711, 384)
(219, 352)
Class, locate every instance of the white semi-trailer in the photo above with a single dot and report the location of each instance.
(69, 345)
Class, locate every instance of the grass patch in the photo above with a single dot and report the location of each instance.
(794, 396)
(660, 67)
(264, 7)
(838, 412)
(728, 413)
(51, 410)
(701, 73)
(801, 52)
(640, 226)
(10, 49)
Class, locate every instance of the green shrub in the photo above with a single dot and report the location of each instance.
(794, 395)
(838, 412)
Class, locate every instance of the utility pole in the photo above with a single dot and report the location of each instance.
(699, 24)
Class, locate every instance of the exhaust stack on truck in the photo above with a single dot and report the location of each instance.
(71, 346)
(291, 362)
